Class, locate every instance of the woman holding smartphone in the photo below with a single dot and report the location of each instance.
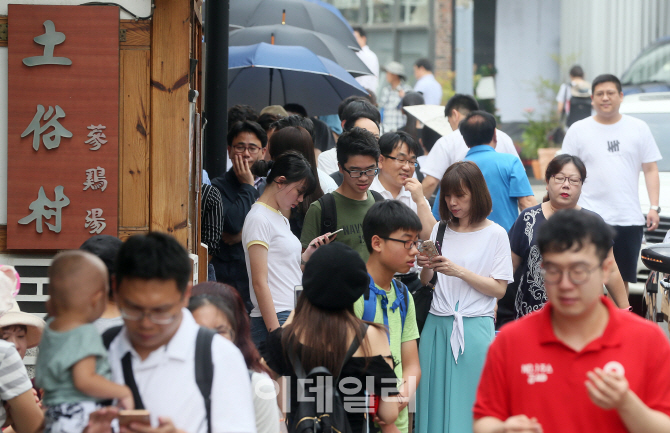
(273, 254)
(474, 268)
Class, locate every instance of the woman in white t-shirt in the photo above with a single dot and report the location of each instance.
(474, 268)
(272, 252)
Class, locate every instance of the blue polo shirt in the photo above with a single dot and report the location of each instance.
(506, 180)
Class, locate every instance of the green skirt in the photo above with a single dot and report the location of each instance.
(447, 390)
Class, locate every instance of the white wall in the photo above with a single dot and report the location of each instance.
(138, 7)
(607, 35)
(527, 35)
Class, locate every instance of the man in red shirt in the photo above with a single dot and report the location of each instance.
(579, 364)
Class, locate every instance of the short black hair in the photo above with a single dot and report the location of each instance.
(392, 140)
(346, 101)
(247, 126)
(267, 119)
(461, 103)
(577, 71)
(106, 247)
(360, 31)
(356, 141)
(354, 109)
(425, 64)
(477, 128)
(386, 217)
(296, 108)
(571, 228)
(605, 78)
(240, 113)
(351, 120)
(154, 256)
(297, 121)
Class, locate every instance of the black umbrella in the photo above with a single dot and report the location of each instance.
(296, 13)
(318, 43)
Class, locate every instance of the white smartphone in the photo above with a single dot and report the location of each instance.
(297, 290)
(332, 235)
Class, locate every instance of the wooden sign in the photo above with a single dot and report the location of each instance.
(62, 185)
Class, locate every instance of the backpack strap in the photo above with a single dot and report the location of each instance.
(439, 238)
(369, 303)
(204, 369)
(377, 196)
(353, 347)
(328, 213)
(109, 335)
(402, 292)
(129, 379)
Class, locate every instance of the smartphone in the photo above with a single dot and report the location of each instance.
(297, 290)
(429, 249)
(332, 235)
(138, 415)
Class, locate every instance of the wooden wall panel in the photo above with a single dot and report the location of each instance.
(170, 118)
(134, 130)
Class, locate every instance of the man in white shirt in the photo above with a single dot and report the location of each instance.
(158, 342)
(452, 148)
(369, 82)
(426, 84)
(614, 148)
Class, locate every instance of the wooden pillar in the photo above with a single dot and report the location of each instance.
(170, 39)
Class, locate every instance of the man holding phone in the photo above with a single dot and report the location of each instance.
(155, 350)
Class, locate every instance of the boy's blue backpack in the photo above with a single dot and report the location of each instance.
(370, 302)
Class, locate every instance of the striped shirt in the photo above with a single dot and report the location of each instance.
(211, 218)
(14, 379)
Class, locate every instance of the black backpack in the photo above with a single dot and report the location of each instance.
(329, 211)
(580, 108)
(321, 408)
(204, 368)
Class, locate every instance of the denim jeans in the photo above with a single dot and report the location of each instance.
(259, 332)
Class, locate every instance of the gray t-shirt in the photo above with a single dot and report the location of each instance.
(14, 379)
(59, 352)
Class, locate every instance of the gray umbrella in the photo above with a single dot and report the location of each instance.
(318, 43)
(297, 13)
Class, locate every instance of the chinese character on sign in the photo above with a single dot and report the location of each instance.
(49, 39)
(95, 179)
(52, 139)
(45, 208)
(97, 136)
(95, 221)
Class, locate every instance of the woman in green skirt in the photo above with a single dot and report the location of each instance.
(474, 268)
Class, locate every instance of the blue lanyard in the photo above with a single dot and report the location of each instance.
(385, 301)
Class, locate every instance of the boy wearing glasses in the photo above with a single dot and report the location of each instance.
(579, 364)
(357, 157)
(391, 232)
(247, 143)
(158, 343)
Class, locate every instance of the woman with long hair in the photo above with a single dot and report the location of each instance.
(323, 328)
(564, 178)
(473, 270)
(272, 252)
(218, 306)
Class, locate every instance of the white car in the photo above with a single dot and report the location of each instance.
(654, 109)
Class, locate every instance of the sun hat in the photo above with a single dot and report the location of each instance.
(277, 110)
(335, 277)
(396, 68)
(33, 324)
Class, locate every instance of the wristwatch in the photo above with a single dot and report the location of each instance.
(656, 208)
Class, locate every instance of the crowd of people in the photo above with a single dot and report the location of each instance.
(330, 276)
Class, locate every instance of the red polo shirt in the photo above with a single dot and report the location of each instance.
(529, 371)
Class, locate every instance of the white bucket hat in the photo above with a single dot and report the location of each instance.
(33, 324)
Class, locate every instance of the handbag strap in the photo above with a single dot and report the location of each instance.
(440, 239)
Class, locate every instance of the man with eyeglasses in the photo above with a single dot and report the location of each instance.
(155, 350)
(357, 157)
(247, 143)
(505, 176)
(615, 147)
(396, 181)
(579, 364)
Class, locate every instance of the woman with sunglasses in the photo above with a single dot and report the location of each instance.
(564, 177)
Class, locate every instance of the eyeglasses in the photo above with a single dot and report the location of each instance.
(410, 162)
(355, 174)
(158, 318)
(578, 274)
(408, 244)
(572, 180)
(240, 148)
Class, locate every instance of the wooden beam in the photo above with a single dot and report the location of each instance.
(170, 156)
